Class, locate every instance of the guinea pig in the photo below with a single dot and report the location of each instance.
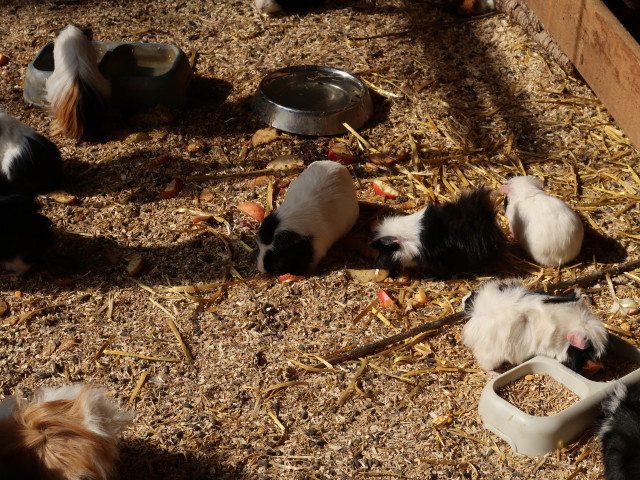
(619, 433)
(26, 234)
(462, 236)
(28, 161)
(545, 226)
(319, 208)
(77, 92)
(65, 433)
(272, 6)
(509, 323)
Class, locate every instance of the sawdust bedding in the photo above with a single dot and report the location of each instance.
(471, 102)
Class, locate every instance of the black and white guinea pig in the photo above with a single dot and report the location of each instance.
(509, 323)
(619, 433)
(26, 234)
(272, 6)
(64, 433)
(77, 92)
(545, 226)
(319, 208)
(28, 161)
(462, 236)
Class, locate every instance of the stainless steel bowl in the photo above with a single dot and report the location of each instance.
(312, 100)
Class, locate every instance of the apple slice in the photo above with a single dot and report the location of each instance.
(341, 153)
(202, 218)
(135, 265)
(172, 189)
(253, 210)
(385, 300)
(264, 136)
(384, 189)
(368, 275)
(63, 197)
(289, 278)
(285, 162)
(262, 180)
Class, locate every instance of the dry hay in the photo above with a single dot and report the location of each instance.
(226, 368)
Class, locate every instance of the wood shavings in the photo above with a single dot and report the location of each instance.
(539, 395)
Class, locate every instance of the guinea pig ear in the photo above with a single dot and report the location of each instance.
(577, 340)
(386, 243)
(505, 188)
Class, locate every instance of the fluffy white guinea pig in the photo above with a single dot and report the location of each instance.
(320, 207)
(545, 226)
(619, 433)
(65, 433)
(77, 92)
(28, 161)
(272, 6)
(509, 323)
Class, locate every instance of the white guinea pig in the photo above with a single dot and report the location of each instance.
(509, 323)
(461, 236)
(65, 433)
(77, 92)
(272, 6)
(545, 226)
(28, 161)
(619, 433)
(320, 207)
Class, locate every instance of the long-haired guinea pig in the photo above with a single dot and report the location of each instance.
(462, 236)
(77, 92)
(28, 161)
(509, 323)
(65, 433)
(272, 6)
(26, 234)
(320, 207)
(619, 433)
(545, 226)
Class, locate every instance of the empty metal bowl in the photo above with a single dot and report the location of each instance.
(312, 100)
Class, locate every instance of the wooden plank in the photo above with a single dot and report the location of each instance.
(602, 50)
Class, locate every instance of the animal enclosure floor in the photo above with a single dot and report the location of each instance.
(242, 392)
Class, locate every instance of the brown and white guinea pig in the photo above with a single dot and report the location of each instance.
(28, 161)
(461, 236)
(272, 6)
(319, 208)
(509, 323)
(26, 234)
(65, 433)
(545, 226)
(77, 92)
(619, 433)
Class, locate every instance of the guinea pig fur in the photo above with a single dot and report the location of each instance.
(619, 433)
(272, 6)
(65, 433)
(509, 323)
(26, 234)
(545, 226)
(462, 236)
(28, 161)
(77, 92)
(319, 208)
